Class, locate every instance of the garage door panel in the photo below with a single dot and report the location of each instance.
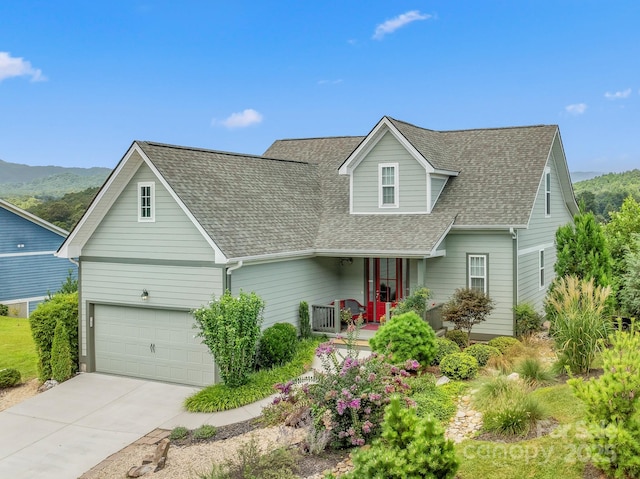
(150, 343)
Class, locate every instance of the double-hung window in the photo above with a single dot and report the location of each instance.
(388, 185)
(477, 272)
(146, 202)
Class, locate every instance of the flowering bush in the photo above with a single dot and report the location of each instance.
(350, 394)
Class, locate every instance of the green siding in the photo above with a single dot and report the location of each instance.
(446, 274)
(541, 235)
(171, 236)
(412, 179)
(437, 184)
(282, 285)
(169, 287)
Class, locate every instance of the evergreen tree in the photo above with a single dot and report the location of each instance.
(582, 250)
(619, 233)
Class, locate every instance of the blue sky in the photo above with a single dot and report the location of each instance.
(80, 80)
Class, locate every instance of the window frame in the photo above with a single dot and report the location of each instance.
(395, 185)
(485, 276)
(152, 202)
(541, 269)
(547, 192)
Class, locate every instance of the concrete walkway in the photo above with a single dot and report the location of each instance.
(63, 432)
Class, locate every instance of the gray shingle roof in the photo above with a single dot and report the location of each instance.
(292, 198)
(248, 205)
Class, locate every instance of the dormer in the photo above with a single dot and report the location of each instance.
(389, 175)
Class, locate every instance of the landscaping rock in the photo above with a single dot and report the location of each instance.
(442, 380)
(48, 384)
(513, 377)
(152, 463)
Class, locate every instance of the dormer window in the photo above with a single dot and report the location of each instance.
(146, 202)
(388, 181)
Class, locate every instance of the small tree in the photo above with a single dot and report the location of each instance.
(230, 327)
(629, 293)
(303, 317)
(582, 250)
(416, 302)
(43, 322)
(61, 368)
(467, 308)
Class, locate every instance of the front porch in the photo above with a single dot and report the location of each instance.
(327, 319)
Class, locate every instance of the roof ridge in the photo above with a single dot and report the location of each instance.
(474, 129)
(219, 152)
(321, 138)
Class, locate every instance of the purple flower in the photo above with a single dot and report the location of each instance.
(355, 404)
(366, 427)
(412, 365)
(341, 406)
(395, 370)
(325, 349)
(372, 377)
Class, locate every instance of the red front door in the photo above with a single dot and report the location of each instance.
(384, 284)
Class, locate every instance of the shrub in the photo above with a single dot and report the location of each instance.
(613, 406)
(409, 447)
(9, 377)
(4, 310)
(406, 336)
(305, 323)
(250, 463)
(421, 383)
(416, 302)
(204, 432)
(436, 402)
(579, 324)
(534, 373)
(458, 336)
(277, 345)
(492, 390)
(459, 366)
(514, 414)
(467, 308)
(482, 352)
(350, 393)
(43, 321)
(444, 346)
(178, 433)
(61, 368)
(528, 320)
(503, 343)
(230, 327)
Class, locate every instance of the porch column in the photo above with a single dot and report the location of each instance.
(337, 320)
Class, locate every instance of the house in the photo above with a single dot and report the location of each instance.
(30, 271)
(366, 218)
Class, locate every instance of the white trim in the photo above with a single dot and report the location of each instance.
(397, 213)
(8, 302)
(489, 227)
(434, 251)
(533, 249)
(395, 185)
(541, 270)
(484, 267)
(152, 201)
(32, 253)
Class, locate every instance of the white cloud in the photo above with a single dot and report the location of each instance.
(18, 67)
(240, 119)
(618, 95)
(400, 21)
(330, 82)
(576, 108)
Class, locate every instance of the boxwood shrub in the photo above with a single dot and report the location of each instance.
(444, 346)
(482, 352)
(459, 366)
(503, 343)
(277, 345)
(458, 336)
(9, 377)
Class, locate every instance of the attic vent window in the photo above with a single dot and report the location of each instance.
(146, 202)
(388, 181)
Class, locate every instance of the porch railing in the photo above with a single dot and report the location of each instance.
(326, 319)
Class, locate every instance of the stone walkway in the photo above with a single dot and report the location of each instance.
(465, 423)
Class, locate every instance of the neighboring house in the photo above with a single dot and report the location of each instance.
(29, 269)
(319, 219)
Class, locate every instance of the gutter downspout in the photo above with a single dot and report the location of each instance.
(514, 236)
(238, 265)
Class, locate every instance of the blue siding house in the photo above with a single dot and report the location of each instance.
(28, 268)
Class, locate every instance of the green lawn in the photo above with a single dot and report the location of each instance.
(559, 455)
(17, 349)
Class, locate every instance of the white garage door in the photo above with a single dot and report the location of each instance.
(151, 343)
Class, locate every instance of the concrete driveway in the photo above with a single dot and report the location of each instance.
(63, 432)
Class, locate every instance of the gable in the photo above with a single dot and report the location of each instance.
(171, 236)
(366, 180)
